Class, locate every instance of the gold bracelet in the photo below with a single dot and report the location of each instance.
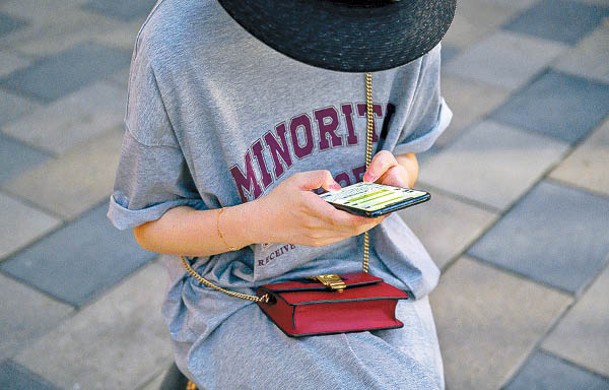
(230, 248)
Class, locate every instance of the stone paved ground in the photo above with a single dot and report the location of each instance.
(519, 220)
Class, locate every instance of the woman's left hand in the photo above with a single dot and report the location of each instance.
(385, 168)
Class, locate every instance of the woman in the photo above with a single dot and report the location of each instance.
(238, 110)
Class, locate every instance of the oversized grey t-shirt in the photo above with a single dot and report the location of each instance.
(216, 118)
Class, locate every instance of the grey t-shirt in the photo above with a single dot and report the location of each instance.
(216, 118)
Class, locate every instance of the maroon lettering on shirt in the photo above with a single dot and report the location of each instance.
(347, 111)
(274, 255)
(377, 109)
(297, 138)
(301, 131)
(246, 183)
(327, 122)
(279, 150)
(257, 150)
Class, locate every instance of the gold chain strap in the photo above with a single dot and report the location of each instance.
(369, 131)
(201, 279)
(365, 263)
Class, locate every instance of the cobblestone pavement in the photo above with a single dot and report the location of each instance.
(519, 220)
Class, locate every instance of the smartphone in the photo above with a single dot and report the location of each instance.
(373, 200)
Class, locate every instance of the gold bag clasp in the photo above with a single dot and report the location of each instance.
(334, 281)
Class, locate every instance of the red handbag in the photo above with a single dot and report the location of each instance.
(331, 303)
(306, 308)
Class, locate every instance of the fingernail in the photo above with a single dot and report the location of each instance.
(335, 187)
(369, 177)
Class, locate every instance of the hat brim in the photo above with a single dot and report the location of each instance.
(340, 36)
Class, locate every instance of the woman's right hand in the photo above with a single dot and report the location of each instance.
(292, 213)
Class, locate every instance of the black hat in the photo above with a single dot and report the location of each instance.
(343, 35)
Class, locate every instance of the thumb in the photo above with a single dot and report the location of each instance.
(381, 163)
(313, 180)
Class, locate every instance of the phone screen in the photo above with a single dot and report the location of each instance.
(373, 199)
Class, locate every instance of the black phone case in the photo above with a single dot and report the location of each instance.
(386, 210)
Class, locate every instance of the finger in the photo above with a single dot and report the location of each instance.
(337, 225)
(313, 180)
(381, 163)
(397, 176)
(351, 223)
(368, 224)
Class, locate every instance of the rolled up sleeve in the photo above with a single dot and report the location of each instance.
(150, 181)
(152, 175)
(426, 114)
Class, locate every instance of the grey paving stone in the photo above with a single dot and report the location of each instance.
(16, 158)
(587, 166)
(446, 226)
(58, 75)
(555, 20)
(72, 120)
(74, 182)
(119, 342)
(123, 36)
(9, 24)
(590, 58)
(44, 10)
(120, 9)
(78, 262)
(492, 163)
(545, 371)
(25, 315)
(16, 377)
(488, 321)
(56, 26)
(563, 106)
(583, 335)
(13, 107)
(595, 2)
(505, 59)
(556, 235)
(10, 62)
(156, 383)
(470, 101)
(515, 4)
(427, 155)
(477, 19)
(448, 53)
(21, 224)
(120, 78)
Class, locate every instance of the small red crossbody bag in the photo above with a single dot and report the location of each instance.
(331, 303)
(307, 308)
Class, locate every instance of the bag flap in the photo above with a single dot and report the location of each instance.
(351, 280)
(360, 287)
